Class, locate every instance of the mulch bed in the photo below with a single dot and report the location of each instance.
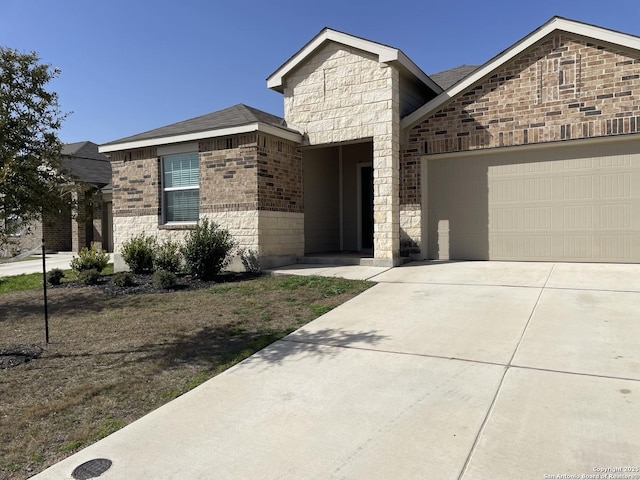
(143, 283)
(15, 355)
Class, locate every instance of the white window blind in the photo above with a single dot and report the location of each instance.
(180, 177)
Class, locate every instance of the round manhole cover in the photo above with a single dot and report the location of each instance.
(91, 469)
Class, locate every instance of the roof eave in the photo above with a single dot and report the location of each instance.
(384, 53)
(286, 134)
(555, 24)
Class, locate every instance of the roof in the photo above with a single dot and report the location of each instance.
(556, 24)
(385, 54)
(86, 164)
(450, 77)
(237, 119)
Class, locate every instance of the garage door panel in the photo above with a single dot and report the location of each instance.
(571, 203)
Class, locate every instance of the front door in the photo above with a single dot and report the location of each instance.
(366, 207)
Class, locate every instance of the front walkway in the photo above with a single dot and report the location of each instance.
(470, 370)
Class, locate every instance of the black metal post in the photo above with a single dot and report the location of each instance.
(44, 288)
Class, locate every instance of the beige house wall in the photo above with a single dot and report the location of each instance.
(341, 94)
(249, 184)
(562, 89)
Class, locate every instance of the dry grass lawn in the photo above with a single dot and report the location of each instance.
(113, 358)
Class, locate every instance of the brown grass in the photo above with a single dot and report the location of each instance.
(114, 358)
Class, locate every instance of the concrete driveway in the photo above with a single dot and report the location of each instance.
(470, 370)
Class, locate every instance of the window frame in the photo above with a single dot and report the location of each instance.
(189, 188)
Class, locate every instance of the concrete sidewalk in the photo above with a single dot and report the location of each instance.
(60, 260)
(470, 370)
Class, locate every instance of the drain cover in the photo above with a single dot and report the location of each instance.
(91, 469)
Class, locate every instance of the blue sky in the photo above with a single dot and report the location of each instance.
(130, 66)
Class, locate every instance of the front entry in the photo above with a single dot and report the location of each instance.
(338, 198)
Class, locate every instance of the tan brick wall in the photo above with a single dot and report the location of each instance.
(228, 174)
(136, 182)
(243, 178)
(279, 175)
(57, 232)
(564, 88)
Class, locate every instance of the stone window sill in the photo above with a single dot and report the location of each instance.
(177, 226)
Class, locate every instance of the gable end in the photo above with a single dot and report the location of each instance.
(566, 87)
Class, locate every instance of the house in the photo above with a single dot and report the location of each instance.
(534, 155)
(88, 219)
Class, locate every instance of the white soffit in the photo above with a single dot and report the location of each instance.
(189, 137)
(553, 25)
(384, 53)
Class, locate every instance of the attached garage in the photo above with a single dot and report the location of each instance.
(575, 201)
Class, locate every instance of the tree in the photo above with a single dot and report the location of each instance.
(30, 151)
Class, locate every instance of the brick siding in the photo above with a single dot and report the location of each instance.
(279, 175)
(228, 174)
(565, 88)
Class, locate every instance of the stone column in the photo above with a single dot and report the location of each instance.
(96, 206)
(386, 181)
(78, 220)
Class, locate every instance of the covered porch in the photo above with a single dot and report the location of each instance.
(338, 200)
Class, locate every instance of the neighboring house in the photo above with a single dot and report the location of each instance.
(89, 220)
(534, 155)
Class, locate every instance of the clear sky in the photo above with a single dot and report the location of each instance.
(128, 66)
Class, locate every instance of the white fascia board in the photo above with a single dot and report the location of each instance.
(188, 137)
(279, 132)
(555, 24)
(416, 71)
(385, 54)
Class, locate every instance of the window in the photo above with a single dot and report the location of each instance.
(180, 185)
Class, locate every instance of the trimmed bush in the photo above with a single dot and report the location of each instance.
(250, 260)
(89, 277)
(55, 276)
(90, 259)
(206, 249)
(139, 252)
(164, 279)
(123, 279)
(167, 257)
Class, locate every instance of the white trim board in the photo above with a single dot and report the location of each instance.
(384, 53)
(188, 137)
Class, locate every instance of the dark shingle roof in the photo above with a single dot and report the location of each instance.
(450, 77)
(83, 161)
(235, 116)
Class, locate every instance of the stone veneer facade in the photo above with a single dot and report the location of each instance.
(250, 184)
(564, 88)
(342, 94)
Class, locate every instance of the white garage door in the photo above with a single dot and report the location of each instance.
(575, 202)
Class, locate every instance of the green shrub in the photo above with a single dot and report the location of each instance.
(123, 279)
(89, 277)
(55, 276)
(206, 249)
(164, 279)
(139, 252)
(90, 259)
(250, 260)
(167, 257)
